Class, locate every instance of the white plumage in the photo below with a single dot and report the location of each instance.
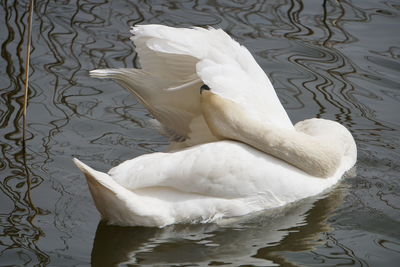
(206, 177)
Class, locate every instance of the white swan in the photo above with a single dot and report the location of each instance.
(234, 149)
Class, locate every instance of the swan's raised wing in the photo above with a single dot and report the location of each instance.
(177, 61)
(174, 109)
(220, 62)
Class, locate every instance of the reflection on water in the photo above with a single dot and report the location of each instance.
(257, 240)
(331, 59)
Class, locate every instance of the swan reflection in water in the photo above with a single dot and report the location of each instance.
(292, 228)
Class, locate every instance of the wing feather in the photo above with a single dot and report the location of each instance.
(176, 62)
(174, 109)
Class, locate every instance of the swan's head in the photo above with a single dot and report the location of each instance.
(223, 116)
(230, 120)
(315, 146)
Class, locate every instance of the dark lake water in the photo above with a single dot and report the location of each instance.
(338, 60)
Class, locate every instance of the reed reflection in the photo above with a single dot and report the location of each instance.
(20, 234)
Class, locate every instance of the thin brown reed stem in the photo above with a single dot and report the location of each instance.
(24, 126)
(28, 57)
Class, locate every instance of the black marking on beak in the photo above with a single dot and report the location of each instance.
(204, 87)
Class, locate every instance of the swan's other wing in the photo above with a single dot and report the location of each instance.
(177, 61)
(224, 65)
(167, 85)
(174, 109)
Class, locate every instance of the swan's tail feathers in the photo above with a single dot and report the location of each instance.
(95, 178)
(105, 191)
(120, 206)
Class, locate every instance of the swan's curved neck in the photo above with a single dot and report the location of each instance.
(227, 120)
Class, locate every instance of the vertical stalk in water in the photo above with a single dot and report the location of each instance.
(28, 56)
(25, 104)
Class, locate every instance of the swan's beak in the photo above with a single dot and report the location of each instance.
(204, 87)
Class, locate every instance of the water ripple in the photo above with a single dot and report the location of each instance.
(331, 59)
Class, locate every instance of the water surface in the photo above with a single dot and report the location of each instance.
(338, 60)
